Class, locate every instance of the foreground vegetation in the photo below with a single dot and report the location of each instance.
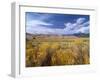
(56, 50)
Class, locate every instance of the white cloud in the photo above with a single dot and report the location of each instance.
(68, 26)
(43, 30)
(79, 26)
(83, 30)
(37, 22)
(80, 20)
(37, 27)
(86, 24)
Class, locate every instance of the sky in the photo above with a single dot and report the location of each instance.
(54, 23)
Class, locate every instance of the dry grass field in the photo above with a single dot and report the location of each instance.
(57, 50)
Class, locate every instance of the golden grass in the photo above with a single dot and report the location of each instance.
(50, 51)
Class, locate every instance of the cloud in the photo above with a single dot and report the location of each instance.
(83, 30)
(37, 27)
(80, 26)
(37, 22)
(80, 20)
(68, 26)
(86, 24)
